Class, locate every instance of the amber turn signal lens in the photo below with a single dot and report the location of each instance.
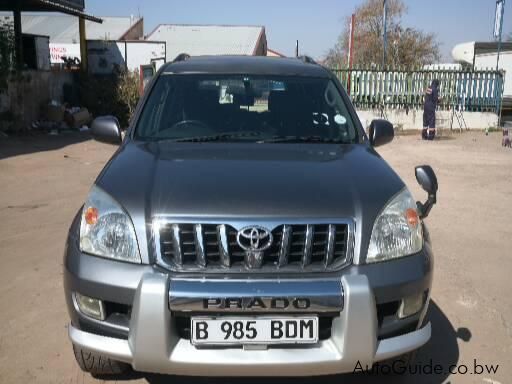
(91, 215)
(412, 217)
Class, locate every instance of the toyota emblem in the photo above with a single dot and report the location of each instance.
(254, 240)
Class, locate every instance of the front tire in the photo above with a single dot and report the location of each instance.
(98, 365)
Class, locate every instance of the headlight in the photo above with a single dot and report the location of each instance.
(397, 230)
(106, 229)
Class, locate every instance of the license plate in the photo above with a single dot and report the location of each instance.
(257, 330)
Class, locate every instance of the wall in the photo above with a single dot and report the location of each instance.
(145, 52)
(489, 61)
(136, 31)
(42, 44)
(28, 92)
(105, 55)
(414, 119)
(57, 51)
(261, 45)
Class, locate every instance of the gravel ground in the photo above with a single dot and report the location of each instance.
(44, 180)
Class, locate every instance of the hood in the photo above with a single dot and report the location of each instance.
(232, 180)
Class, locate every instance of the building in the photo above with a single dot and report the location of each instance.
(197, 40)
(272, 53)
(108, 56)
(63, 31)
(484, 55)
(33, 86)
(18, 8)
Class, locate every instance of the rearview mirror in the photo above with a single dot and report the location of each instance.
(380, 132)
(426, 177)
(106, 129)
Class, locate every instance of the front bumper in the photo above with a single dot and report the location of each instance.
(153, 346)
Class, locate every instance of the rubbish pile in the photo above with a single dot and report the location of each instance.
(57, 118)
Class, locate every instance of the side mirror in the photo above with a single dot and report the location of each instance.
(381, 132)
(426, 177)
(106, 129)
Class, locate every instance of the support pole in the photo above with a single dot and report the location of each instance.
(297, 48)
(18, 39)
(83, 44)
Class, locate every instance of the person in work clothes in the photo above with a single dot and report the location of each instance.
(429, 111)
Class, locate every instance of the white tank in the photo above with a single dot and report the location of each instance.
(464, 53)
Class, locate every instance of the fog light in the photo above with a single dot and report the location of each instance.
(90, 307)
(411, 305)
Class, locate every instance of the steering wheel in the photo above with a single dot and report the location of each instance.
(197, 123)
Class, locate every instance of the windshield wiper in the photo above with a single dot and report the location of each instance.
(301, 139)
(218, 137)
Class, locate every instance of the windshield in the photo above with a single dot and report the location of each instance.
(246, 109)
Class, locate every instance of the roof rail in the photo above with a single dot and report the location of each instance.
(181, 57)
(307, 59)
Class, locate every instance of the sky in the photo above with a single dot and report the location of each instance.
(316, 24)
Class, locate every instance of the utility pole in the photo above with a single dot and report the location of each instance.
(498, 27)
(498, 30)
(351, 50)
(297, 48)
(384, 32)
(351, 41)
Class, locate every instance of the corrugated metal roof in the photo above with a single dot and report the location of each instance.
(64, 29)
(199, 40)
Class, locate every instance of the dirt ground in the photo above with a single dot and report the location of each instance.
(44, 180)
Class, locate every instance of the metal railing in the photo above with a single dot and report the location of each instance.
(480, 90)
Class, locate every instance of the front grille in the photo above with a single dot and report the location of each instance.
(214, 247)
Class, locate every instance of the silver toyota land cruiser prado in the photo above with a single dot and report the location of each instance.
(247, 227)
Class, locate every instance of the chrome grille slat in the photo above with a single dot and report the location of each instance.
(199, 242)
(177, 244)
(285, 245)
(308, 244)
(296, 247)
(222, 237)
(331, 239)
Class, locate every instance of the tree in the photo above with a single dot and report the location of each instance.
(128, 91)
(116, 94)
(407, 47)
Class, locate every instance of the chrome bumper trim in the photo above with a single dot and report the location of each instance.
(153, 345)
(258, 295)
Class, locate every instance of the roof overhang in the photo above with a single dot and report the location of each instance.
(70, 7)
(491, 47)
